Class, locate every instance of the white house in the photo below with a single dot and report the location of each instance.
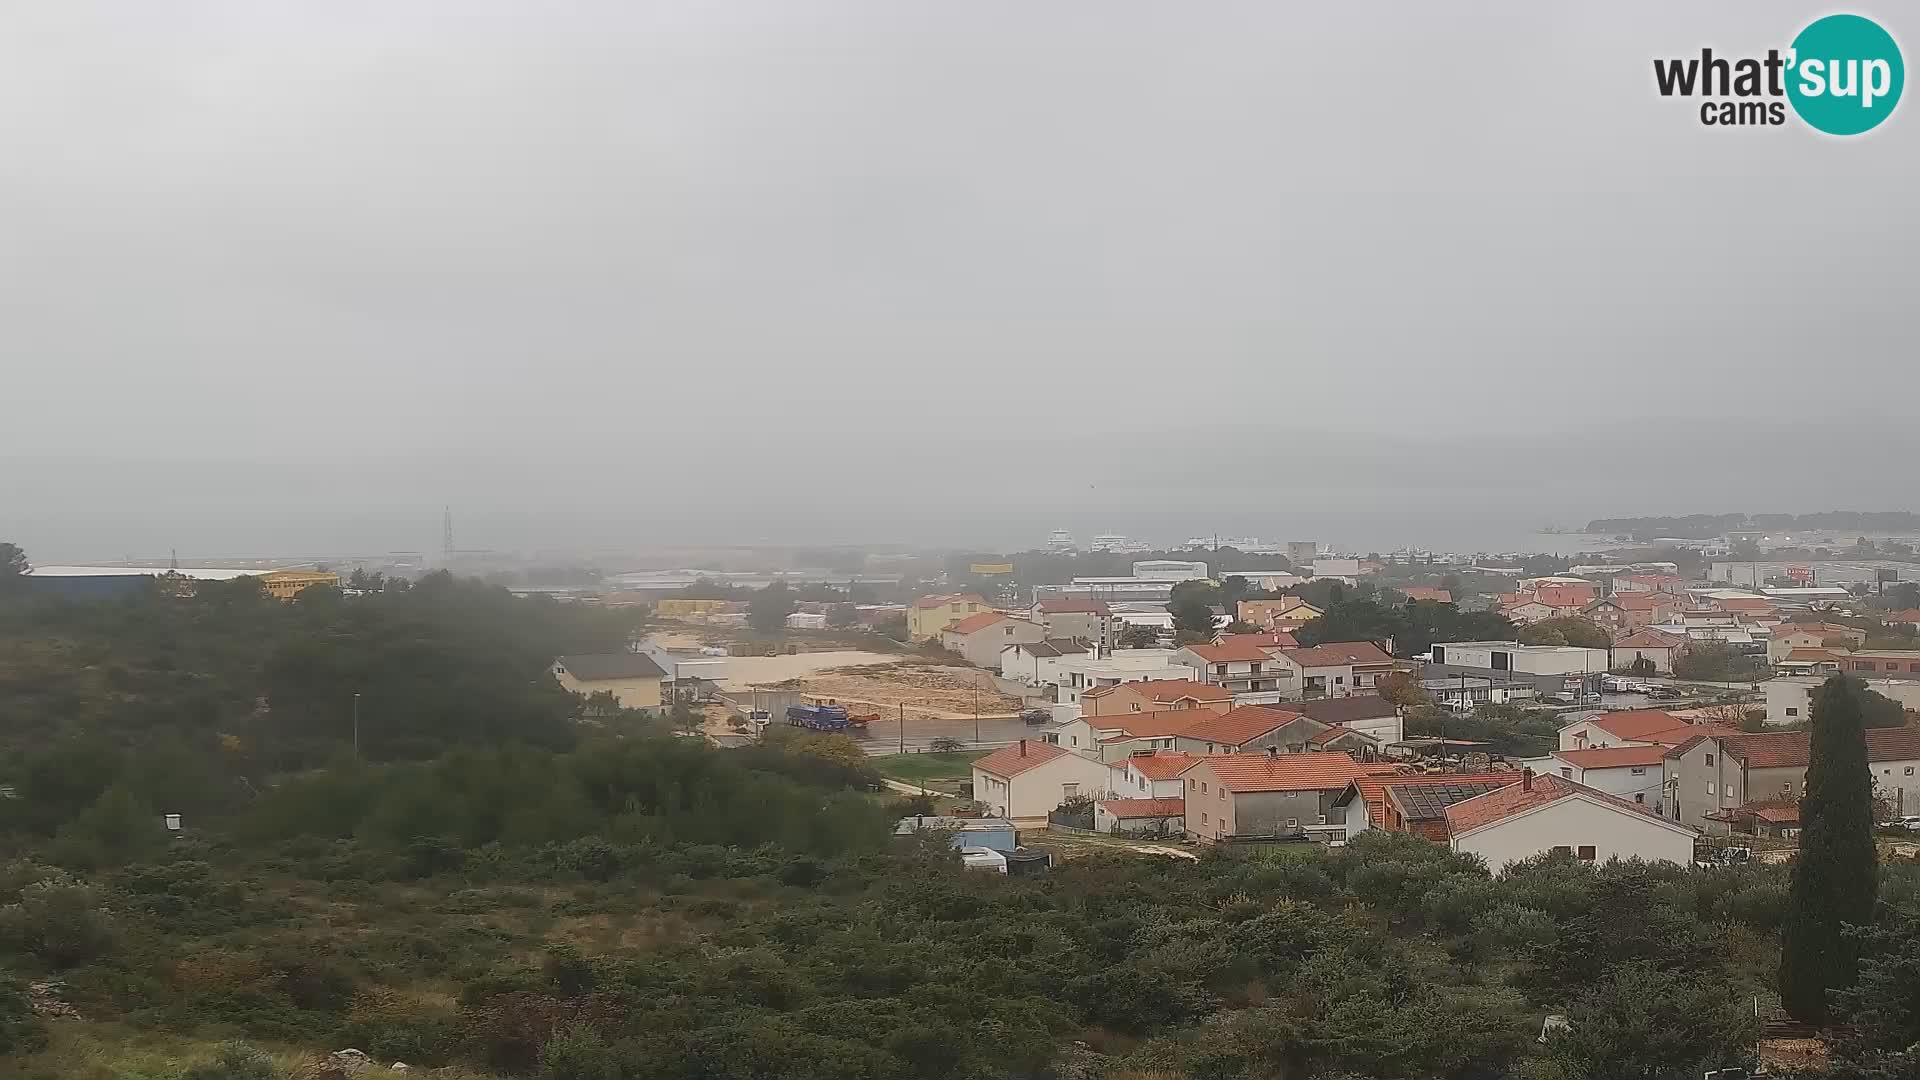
(1549, 813)
(979, 638)
(1037, 663)
(1522, 659)
(1790, 699)
(1629, 727)
(1025, 781)
(1150, 774)
(1653, 646)
(1078, 674)
(1634, 773)
(1333, 669)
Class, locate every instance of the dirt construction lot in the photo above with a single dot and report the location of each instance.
(927, 691)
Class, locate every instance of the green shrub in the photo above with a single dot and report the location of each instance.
(57, 920)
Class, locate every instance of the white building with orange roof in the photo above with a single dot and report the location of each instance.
(1026, 781)
(1149, 774)
(1269, 794)
(1543, 814)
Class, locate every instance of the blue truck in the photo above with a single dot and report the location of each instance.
(819, 717)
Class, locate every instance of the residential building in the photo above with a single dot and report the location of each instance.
(1713, 774)
(287, 584)
(1090, 621)
(1026, 781)
(1635, 773)
(1631, 727)
(929, 615)
(1114, 738)
(1237, 665)
(1529, 611)
(979, 638)
(1884, 663)
(1606, 614)
(1267, 795)
(1255, 728)
(1037, 663)
(1424, 592)
(632, 678)
(997, 834)
(1790, 697)
(1790, 636)
(1149, 774)
(1079, 674)
(1153, 695)
(1473, 691)
(1653, 646)
(1413, 803)
(1289, 610)
(1335, 668)
(1552, 814)
(1369, 714)
(1140, 817)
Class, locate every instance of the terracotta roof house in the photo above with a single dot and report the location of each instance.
(1238, 666)
(1264, 795)
(1148, 774)
(1635, 772)
(928, 615)
(979, 638)
(1151, 695)
(1423, 592)
(1722, 770)
(1644, 727)
(1655, 647)
(1369, 714)
(1336, 668)
(1026, 781)
(1412, 802)
(1549, 814)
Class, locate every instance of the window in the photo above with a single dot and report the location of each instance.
(1566, 772)
(1223, 794)
(1203, 817)
(1637, 770)
(1203, 787)
(1586, 853)
(1792, 711)
(1640, 797)
(1909, 770)
(1293, 823)
(1068, 791)
(1562, 849)
(1322, 818)
(1192, 783)
(1709, 761)
(1339, 680)
(1709, 787)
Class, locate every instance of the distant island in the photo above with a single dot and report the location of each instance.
(1705, 526)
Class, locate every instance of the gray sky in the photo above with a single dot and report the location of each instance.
(288, 277)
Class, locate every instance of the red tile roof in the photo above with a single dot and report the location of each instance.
(1613, 757)
(1565, 596)
(1246, 773)
(1175, 689)
(1229, 650)
(1160, 765)
(1791, 749)
(1338, 654)
(1237, 727)
(1146, 725)
(1640, 601)
(1423, 592)
(1139, 808)
(1635, 724)
(1910, 615)
(1373, 788)
(1011, 761)
(974, 623)
(1063, 607)
(1483, 810)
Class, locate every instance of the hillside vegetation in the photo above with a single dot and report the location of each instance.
(500, 888)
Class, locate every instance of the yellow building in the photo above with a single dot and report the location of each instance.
(930, 614)
(286, 584)
(681, 608)
(633, 679)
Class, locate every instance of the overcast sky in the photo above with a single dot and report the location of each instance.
(291, 276)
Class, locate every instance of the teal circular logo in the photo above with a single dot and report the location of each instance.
(1845, 74)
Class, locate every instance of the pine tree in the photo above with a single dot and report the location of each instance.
(1835, 878)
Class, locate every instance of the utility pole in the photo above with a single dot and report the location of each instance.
(903, 727)
(356, 726)
(976, 711)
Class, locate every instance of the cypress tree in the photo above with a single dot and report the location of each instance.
(1835, 877)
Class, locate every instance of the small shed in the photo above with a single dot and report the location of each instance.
(974, 858)
(994, 834)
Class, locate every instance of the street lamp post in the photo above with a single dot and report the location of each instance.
(356, 726)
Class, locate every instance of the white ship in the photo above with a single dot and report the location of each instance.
(1060, 540)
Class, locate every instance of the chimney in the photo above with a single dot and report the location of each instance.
(1526, 779)
(1023, 748)
(1273, 753)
